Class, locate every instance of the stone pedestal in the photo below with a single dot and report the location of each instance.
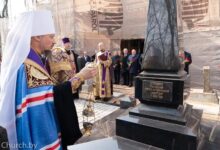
(113, 143)
(126, 102)
(160, 89)
(157, 133)
(162, 127)
(161, 83)
(206, 77)
(159, 113)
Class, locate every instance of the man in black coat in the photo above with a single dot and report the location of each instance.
(187, 61)
(124, 67)
(82, 60)
(134, 66)
(116, 60)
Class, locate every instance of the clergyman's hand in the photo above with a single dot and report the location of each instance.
(88, 72)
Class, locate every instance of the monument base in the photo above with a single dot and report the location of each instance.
(160, 89)
(159, 113)
(126, 102)
(112, 143)
(157, 133)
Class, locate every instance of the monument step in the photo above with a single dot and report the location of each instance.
(112, 143)
(159, 113)
(157, 133)
(199, 95)
(117, 94)
(126, 102)
(207, 107)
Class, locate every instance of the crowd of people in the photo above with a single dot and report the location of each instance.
(122, 66)
(125, 65)
(114, 67)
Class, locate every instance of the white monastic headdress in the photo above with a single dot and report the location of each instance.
(17, 48)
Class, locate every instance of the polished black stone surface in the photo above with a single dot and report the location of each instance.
(163, 89)
(161, 41)
(126, 102)
(157, 133)
(179, 75)
(159, 113)
(113, 143)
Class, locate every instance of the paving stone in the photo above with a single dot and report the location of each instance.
(101, 110)
(117, 94)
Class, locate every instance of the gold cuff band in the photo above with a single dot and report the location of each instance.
(76, 81)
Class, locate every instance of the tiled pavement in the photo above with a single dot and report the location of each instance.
(101, 110)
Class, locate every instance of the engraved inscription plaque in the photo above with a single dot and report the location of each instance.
(157, 91)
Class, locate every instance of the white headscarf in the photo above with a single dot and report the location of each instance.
(16, 50)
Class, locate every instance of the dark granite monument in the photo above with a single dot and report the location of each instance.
(159, 113)
(161, 42)
(161, 83)
(165, 135)
(157, 121)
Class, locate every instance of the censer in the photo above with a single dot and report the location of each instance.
(88, 109)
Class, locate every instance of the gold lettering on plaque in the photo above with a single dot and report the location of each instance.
(156, 89)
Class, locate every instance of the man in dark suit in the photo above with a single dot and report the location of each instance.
(82, 60)
(116, 60)
(124, 67)
(86, 57)
(134, 66)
